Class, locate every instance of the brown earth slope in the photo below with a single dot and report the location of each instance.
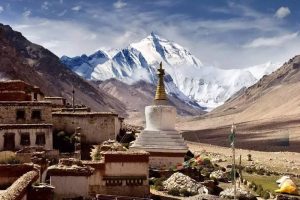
(267, 114)
(21, 59)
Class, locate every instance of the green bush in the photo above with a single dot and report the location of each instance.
(249, 170)
(251, 185)
(174, 192)
(158, 183)
(265, 194)
(206, 161)
(268, 173)
(10, 160)
(276, 173)
(151, 181)
(260, 172)
(186, 193)
(254, 187)
(159, 188)
(260, 190)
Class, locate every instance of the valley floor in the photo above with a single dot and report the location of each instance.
(278, 161)
(270, 135)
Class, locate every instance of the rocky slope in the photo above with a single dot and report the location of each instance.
(274, 95)
(187, 77)
(21, 59)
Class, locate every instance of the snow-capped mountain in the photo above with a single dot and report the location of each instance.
(187, 77)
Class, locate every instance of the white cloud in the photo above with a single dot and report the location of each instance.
(282, 12)
(76, 8)
(119, 4)
(1, 9)
(45, 5)
(213, 41)
(59, 36)
(26, 13)
(62, 13)
(271, 41)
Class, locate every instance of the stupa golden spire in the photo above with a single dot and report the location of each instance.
(160, 89)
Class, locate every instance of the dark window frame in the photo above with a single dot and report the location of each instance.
(20, 114)
(36, 114)
(5, 142)
(40, 141)
(26, 141)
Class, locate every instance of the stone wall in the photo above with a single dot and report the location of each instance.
(94, 127)
(8, 112)
(122, 174)
(119, 173)
(33, 130)
(10, 173)
(70, 186)
(158, 161)
(19, 189)
(56, 101)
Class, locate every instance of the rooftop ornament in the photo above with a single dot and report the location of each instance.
(160, 95)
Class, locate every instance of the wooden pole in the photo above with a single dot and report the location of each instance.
(240, 170)
(234, 171)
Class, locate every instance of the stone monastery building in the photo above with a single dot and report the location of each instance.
(28, 118)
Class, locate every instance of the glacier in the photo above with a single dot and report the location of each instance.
(187, 77)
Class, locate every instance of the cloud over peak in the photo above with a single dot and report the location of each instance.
(76, 8)
(282, 12)
(1, 9)
(271, 41)
(119, 4)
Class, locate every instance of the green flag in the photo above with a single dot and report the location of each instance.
(232, 135)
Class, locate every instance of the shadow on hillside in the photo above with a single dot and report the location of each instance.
(270, 141)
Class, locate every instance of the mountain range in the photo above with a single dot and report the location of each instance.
(24, 60)
(32, 63)
(187, 77)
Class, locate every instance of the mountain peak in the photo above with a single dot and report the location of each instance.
(154, 35)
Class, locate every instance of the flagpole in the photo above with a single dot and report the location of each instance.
(234, 173)
(233, 155)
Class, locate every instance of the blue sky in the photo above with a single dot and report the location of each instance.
(226, 34)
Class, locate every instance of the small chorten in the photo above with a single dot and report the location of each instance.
(160, 94)
(165, 144)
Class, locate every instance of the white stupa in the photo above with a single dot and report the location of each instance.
(165, 145)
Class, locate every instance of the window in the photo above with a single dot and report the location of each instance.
(9, 141)
(25, 139)
(20, 115)
(40, 139)
(35, 96)
(36, 114)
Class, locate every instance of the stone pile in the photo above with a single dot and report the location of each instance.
(70, 166)
(241, 194)
(219, 175)
(109, 145)
(112, 145)
(182, 182)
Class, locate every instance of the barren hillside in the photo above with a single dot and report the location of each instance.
(266, 114)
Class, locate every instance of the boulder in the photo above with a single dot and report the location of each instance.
(182, 182)
(219, 175)
(241, 194)
(212, 187)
